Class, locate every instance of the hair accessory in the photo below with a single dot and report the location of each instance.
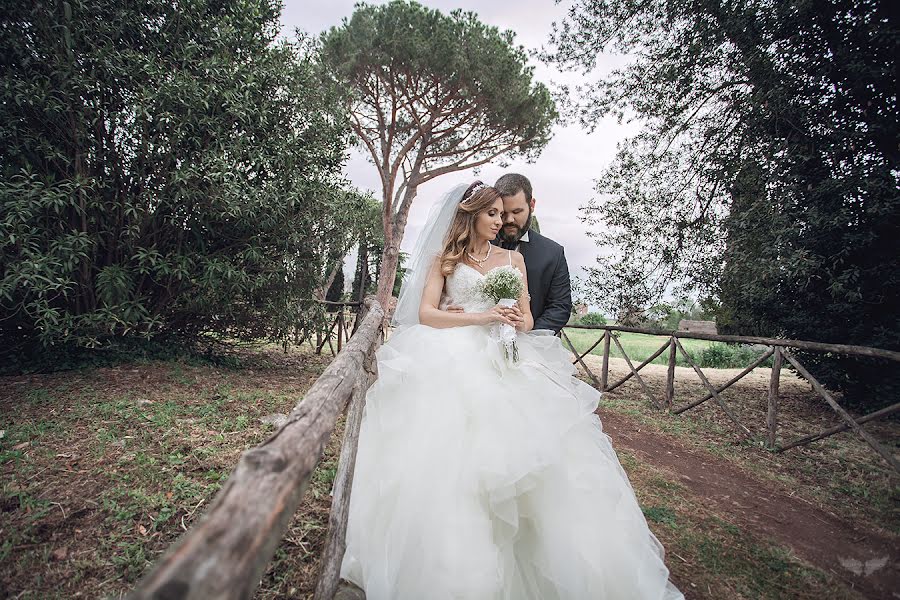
(478, 185)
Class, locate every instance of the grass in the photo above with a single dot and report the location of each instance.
(102, 469)
(639, 346)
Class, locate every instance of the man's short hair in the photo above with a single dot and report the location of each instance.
(513, 183)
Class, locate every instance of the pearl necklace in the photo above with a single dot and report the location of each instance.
(481, 261)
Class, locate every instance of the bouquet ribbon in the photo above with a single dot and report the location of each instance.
(506, 334)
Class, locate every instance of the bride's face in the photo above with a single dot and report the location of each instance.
(488, 222)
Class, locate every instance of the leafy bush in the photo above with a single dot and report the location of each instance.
(729, 356)
(592, 318)
(165, 168)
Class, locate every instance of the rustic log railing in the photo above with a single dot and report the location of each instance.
(778, 348)
(226, 553)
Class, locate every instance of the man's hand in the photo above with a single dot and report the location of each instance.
(454, 309)
(514, 314)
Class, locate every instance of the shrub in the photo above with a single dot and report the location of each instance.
(729, 356)
(165, 168)
(592, 318)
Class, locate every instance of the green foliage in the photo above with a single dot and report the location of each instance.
(729, 356)
(335, 291)
(401, 273)
(370, 245)
(668, 316)
(766, 175)
(115, 351)
(370, 248)
(164, 169)
(592, 318)
(471, 73)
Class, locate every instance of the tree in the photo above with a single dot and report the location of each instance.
(370, 249)
(336, 290)
(370, 245)
(430, 94)
(766, 173)
(165, 168)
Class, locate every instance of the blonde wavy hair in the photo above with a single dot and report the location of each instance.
(477, 199)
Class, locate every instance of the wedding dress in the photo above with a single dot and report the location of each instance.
(478, 479)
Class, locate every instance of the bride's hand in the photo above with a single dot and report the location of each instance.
(516, 317)
(497, 314)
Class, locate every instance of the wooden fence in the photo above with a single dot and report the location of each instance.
(226, 553)
(338, 329)
(779, 349)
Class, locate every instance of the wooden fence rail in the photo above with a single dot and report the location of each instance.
(226, 553)
(778, 348)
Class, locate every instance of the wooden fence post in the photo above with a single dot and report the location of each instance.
(670, 374)
(876, 446)
(713, 391)
(637, 375)
(772, 415)
(340, 326)
(578, 358)
(604, 374)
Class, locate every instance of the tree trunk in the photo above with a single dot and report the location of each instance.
(390, 258)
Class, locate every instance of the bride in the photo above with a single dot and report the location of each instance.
(477, 478)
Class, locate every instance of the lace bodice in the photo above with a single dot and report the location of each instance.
(463, 288)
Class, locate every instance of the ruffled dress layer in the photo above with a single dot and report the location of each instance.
(480, 479)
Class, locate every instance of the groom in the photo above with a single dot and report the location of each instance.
(545, 260)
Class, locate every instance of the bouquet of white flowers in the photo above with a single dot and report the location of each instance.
(503, 285)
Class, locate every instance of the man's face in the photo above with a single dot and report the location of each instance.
(516, 216)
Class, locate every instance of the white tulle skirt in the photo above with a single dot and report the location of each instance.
(479, 480)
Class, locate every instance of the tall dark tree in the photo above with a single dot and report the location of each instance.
(370, 249)
(767, 172)
(430, 94)
(164, 168)
(335, 291)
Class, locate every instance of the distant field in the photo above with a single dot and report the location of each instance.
(638, 345)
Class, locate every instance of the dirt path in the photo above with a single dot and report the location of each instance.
(865, 560)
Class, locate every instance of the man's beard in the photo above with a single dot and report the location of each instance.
(517, 233)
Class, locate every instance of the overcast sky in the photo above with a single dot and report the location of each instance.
(562, 176)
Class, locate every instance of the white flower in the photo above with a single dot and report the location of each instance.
(502, 282)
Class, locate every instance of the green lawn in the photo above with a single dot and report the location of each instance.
(638, 345)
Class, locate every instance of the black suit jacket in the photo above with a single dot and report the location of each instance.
(548, 281)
